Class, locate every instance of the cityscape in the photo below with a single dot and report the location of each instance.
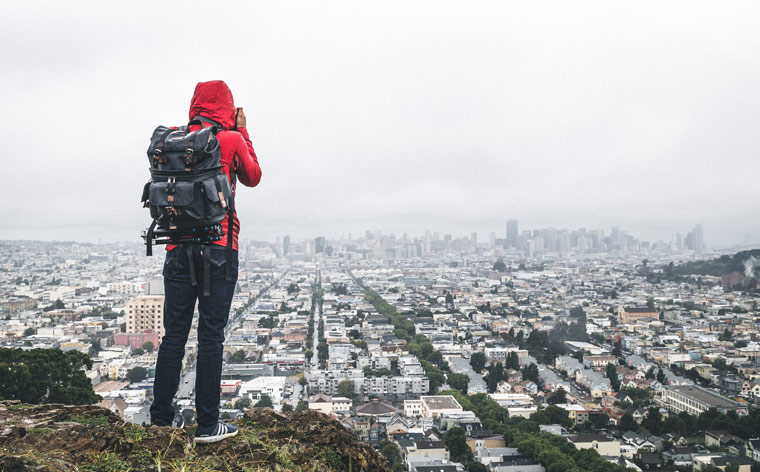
(442, 352)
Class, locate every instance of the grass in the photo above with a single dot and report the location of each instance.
(96, 420)
(135, 432)
(42, 431)
(104, 462)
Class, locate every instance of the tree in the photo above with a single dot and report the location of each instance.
(264, 402)
(242, 403)
(558, 396)
(148, 346)
(39, 376)
(478, 361)
(302, 381)
(617, 349)
(627, 423)
(137, 374)
(391, 452)
(653, 421)
(513, 361)
(138, 352)
(660, 375)
(293, 288)
(238, 356)
(476, 467)
(301, 406)
(459, 382)
(95, 348)
(29, 331)
(56, 305)
(323, 351)
(530, 372)
(346, 388)
(611, 373)
(308, 355)
(601, 421)
(499, 265)
(456, 442)
(287, 407)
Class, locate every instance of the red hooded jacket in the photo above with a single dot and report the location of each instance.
(213, 100)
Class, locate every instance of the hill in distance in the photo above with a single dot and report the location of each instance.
(746, 262)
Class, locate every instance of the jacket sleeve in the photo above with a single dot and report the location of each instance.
(248, 170)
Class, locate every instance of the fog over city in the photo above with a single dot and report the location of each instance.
(400, 116)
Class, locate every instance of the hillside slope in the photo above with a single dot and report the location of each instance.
(89, 438)
(746, 262)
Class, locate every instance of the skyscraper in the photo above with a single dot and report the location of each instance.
(285, 245)
(699, 239)
(512, 233)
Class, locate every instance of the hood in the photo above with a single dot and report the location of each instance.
(213, 100)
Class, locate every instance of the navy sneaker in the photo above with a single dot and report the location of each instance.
(220, 431)
(178, 421)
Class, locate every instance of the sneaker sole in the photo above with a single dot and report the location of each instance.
(213, 439)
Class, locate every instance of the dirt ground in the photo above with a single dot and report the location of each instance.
(87, 438)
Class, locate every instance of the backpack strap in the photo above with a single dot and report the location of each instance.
(230, 227)
(149, 239)
(189, 251)
(206, 271)
(203, 119)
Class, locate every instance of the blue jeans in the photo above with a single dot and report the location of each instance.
(213, 310)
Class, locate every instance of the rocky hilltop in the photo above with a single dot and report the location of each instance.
(88, 438)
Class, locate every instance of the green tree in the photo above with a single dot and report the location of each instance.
(391, 452)
(513, 361)
(346, 388)
(138, 352)
(287, 407)
(242, 403)
(137, 374)
(459, 382)
(530, 372)
(476, 467)
(30, 331)
(499, 265)
(558, 396)
(653, 421)
(95, 348)
(611, 373)
(323, 351)
(477, 361)
(456, 442)
(264, 402)
(627, 423)
(45, 376)
(293, 288)
(238, 356)
(301, 406)
(148, 346)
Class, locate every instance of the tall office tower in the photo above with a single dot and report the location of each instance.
(285, 245)
(512, 233)
(146, 313)
(492, 240)
(319, 244)
(699, 239)
(474, 238)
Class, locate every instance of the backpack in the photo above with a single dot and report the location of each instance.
(188, 194)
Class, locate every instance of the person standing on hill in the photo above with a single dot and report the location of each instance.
(212, 104)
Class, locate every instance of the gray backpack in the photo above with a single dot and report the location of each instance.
(188, 194)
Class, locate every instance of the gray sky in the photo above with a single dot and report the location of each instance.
(401, 116)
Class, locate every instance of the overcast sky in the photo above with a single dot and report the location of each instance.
(400, 116)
